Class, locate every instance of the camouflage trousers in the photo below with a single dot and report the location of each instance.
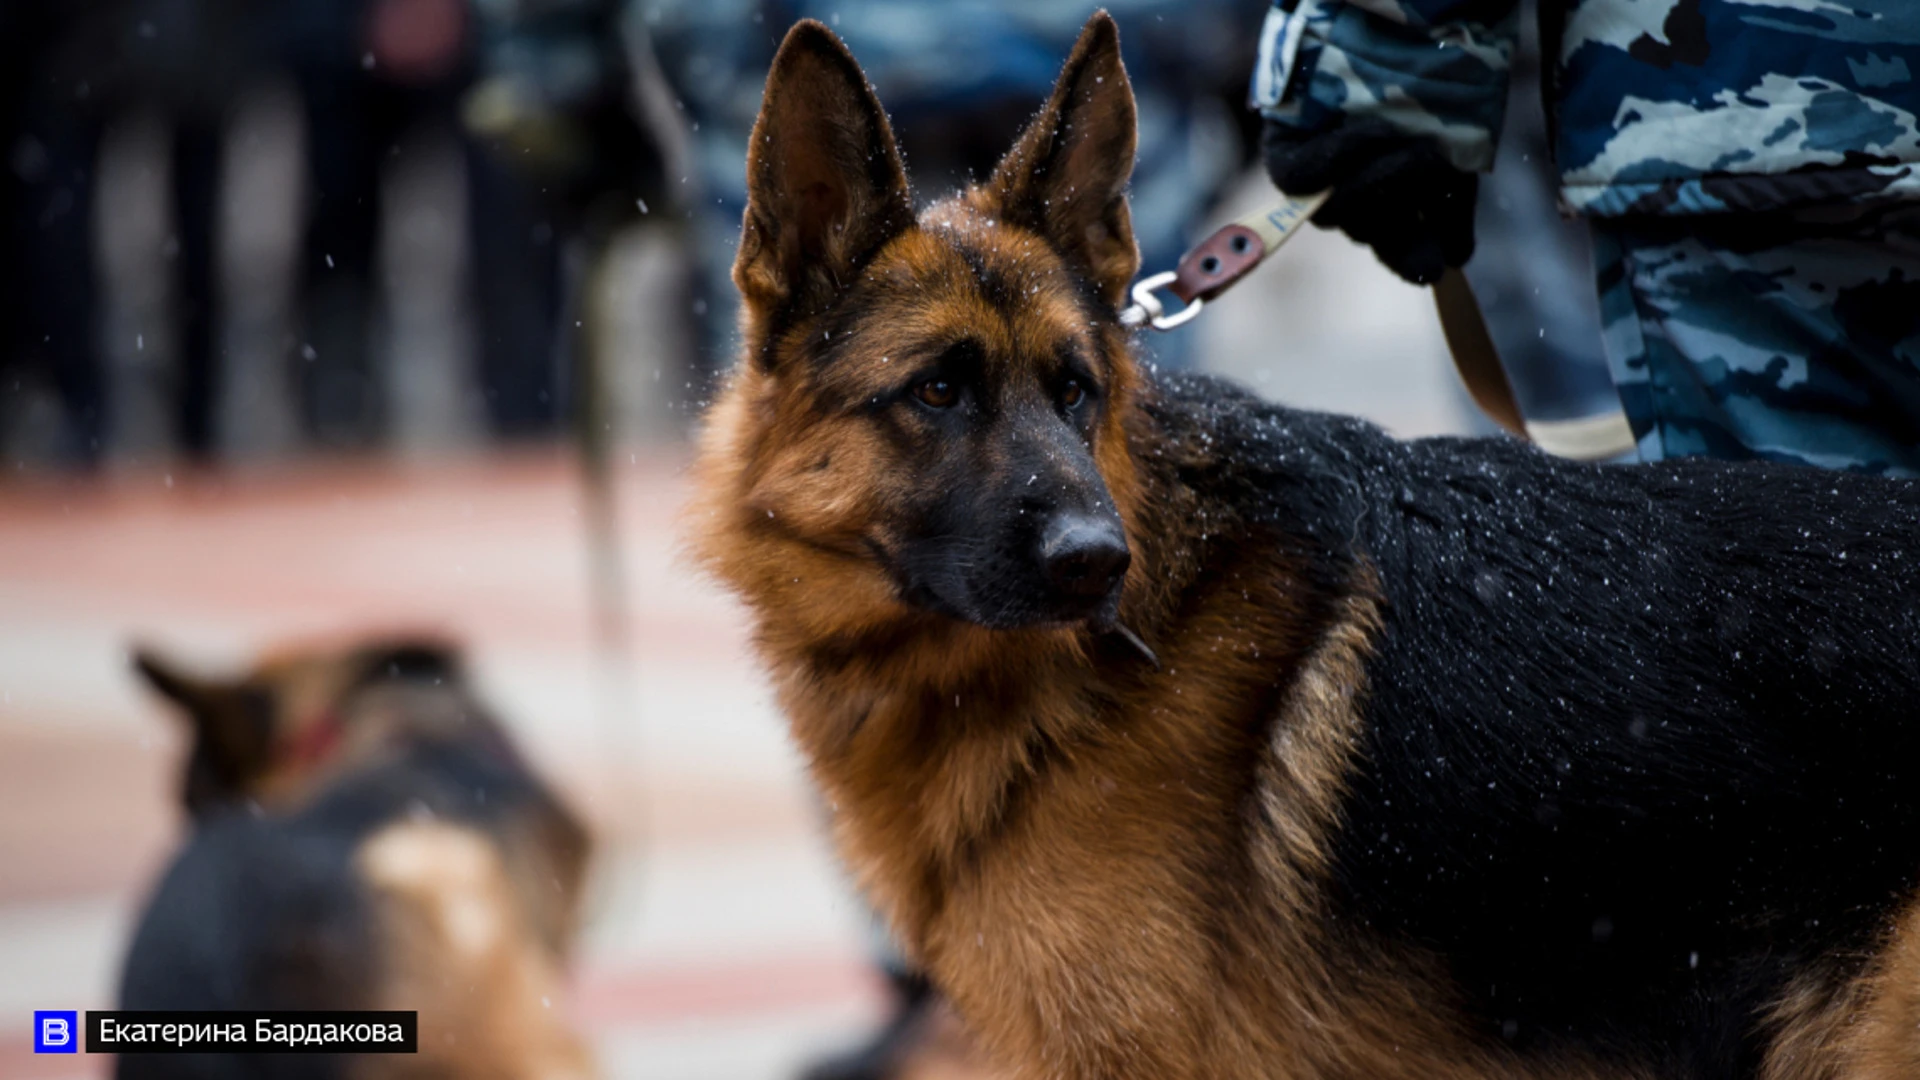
(1788, 336)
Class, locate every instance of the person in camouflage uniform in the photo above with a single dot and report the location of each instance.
(1750, 170)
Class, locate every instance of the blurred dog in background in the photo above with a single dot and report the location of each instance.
(364, 836)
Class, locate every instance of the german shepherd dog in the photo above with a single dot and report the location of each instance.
(363, 836)
(1179, 734)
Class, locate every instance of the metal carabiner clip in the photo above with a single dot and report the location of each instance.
(1147, 310)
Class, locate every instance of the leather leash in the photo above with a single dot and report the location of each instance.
(1232, 252)
(1217, 262)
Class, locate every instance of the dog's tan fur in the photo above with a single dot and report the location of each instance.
(1057, 832)
(1847, 1025)
(462, 949)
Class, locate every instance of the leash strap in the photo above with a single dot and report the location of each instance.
(1474, 356)
(1232, 252)
(1217, 262)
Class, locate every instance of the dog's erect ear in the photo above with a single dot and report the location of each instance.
(1066, 178)
(195, 694)
(825, 186)
(232, 722)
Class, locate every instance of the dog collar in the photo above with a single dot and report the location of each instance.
(317, 739)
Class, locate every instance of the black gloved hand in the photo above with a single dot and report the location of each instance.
(1394, 192)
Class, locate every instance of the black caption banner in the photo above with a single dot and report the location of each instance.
(127, 1031)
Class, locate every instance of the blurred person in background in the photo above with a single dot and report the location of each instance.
(49, 131)
(1747, 169)
(558, 101)
(370, 73)
(557, 105)
(195, 59)
(71, 70)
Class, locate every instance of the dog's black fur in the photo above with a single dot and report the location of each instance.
(1642, 742)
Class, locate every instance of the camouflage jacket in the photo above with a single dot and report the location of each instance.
(1657, 106)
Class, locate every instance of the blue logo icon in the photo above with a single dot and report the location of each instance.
(56, 1031)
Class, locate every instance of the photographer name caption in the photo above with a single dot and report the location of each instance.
(242, 1032)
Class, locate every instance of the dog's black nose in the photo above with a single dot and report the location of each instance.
(1084, 556)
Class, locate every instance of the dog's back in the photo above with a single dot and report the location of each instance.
(430, 872)
(1641, 754)
(252, 914)
(1711, 777)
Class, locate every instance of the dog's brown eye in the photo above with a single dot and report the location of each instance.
(1073, 395)
(936, 393)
